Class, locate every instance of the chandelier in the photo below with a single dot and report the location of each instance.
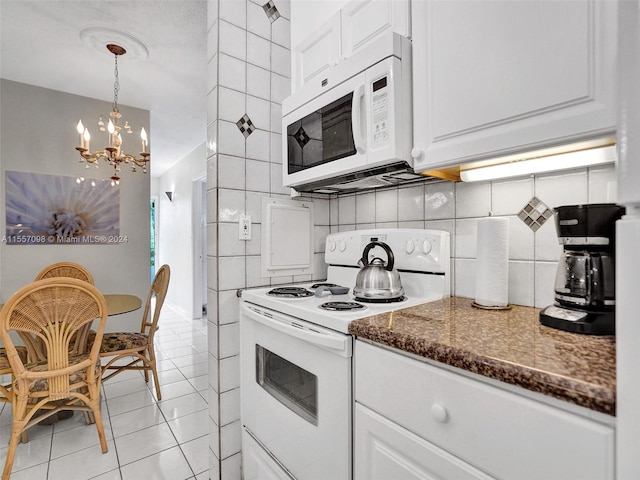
(113, 154)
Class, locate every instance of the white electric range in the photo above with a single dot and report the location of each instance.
(295, 354)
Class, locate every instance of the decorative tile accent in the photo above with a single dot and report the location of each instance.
(535, 213)
(245, 125)
(301, 137)
(271, 11)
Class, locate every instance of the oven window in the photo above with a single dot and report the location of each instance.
(322, 136)
(291, 385)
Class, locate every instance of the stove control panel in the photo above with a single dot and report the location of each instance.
(413, 249)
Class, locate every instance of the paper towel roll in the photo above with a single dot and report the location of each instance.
(492, 263)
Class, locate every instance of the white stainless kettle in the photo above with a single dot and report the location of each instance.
(377, 281)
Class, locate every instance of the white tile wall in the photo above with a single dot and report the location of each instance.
(456, 207)
(233, 40)
(258, 51)
(248, 73)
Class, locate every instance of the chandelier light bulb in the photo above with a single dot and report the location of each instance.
(80, 130)
(86, 137)
(143, 136)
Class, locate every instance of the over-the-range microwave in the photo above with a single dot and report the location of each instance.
(352, 128)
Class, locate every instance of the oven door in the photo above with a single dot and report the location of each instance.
(296, 394)
(326, 136)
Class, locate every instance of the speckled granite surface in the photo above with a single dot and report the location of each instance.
(507, 345)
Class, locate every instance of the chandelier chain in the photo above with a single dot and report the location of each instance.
(116, 87)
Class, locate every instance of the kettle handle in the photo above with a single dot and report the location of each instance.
(385, 247)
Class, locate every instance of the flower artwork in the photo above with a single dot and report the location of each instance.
(55, 209)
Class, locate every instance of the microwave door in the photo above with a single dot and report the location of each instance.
(326, 136)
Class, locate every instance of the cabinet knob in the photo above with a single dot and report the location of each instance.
(416, 153)
(439, 413)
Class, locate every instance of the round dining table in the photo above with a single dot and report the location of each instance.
(118, 303)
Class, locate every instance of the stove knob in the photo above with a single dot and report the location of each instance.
(342, 246)
(410, 246)
(426, 246)
(332, 245)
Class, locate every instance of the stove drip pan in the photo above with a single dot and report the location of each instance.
(342, 306)
(290, 292)
(381, 300)
(316, 285)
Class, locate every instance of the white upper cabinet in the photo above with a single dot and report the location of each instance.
(364, 20)
(317, 53)
(494, 78)
(346, 31)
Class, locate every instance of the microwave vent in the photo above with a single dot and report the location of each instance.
(379, 177)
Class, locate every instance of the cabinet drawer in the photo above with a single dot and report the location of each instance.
(384, 451)
(499, 432)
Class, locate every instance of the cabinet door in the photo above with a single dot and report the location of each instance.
(502, 433)
(317, 53)
(364, 20)
(493, 78)
(384, 451)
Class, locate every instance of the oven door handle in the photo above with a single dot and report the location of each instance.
(336, 342)
(356, 123)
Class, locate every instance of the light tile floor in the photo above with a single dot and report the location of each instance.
(147, 439)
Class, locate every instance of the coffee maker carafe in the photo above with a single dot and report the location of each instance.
(585, 280)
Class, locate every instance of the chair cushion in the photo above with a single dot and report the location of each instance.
(42, 385)
(114, 341)
(4, 360)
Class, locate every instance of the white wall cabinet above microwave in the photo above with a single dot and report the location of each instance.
(346, 31)
(497, 78)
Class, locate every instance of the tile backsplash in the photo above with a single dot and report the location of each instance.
(456, 207)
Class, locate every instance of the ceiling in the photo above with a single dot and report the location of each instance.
(40, 44)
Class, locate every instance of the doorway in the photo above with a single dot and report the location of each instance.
(200, 246)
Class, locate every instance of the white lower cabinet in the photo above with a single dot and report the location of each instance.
(385, 451)
(417, 420)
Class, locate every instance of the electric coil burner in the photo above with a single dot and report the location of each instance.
(342, 306)
(290, 292)
(324, 284)
(381, 300)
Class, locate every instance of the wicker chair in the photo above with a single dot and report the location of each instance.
(137, 345)
(5, 369)
(66, 269)
(47, 314)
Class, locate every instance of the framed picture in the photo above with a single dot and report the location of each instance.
(61, 210)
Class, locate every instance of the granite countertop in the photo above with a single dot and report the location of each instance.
(507, 345)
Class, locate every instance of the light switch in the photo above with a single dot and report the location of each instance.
(244, 227)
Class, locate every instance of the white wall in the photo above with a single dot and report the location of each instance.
(37, 134)
(175, 226)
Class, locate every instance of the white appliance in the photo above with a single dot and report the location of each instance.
(296, 356)
(352, 129)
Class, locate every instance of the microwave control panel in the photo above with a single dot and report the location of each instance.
(380, 112)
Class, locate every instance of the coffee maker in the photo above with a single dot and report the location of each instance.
(585, 280)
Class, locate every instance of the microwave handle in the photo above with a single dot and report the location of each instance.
(356, 124)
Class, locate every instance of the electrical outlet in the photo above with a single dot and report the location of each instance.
(244, 227)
